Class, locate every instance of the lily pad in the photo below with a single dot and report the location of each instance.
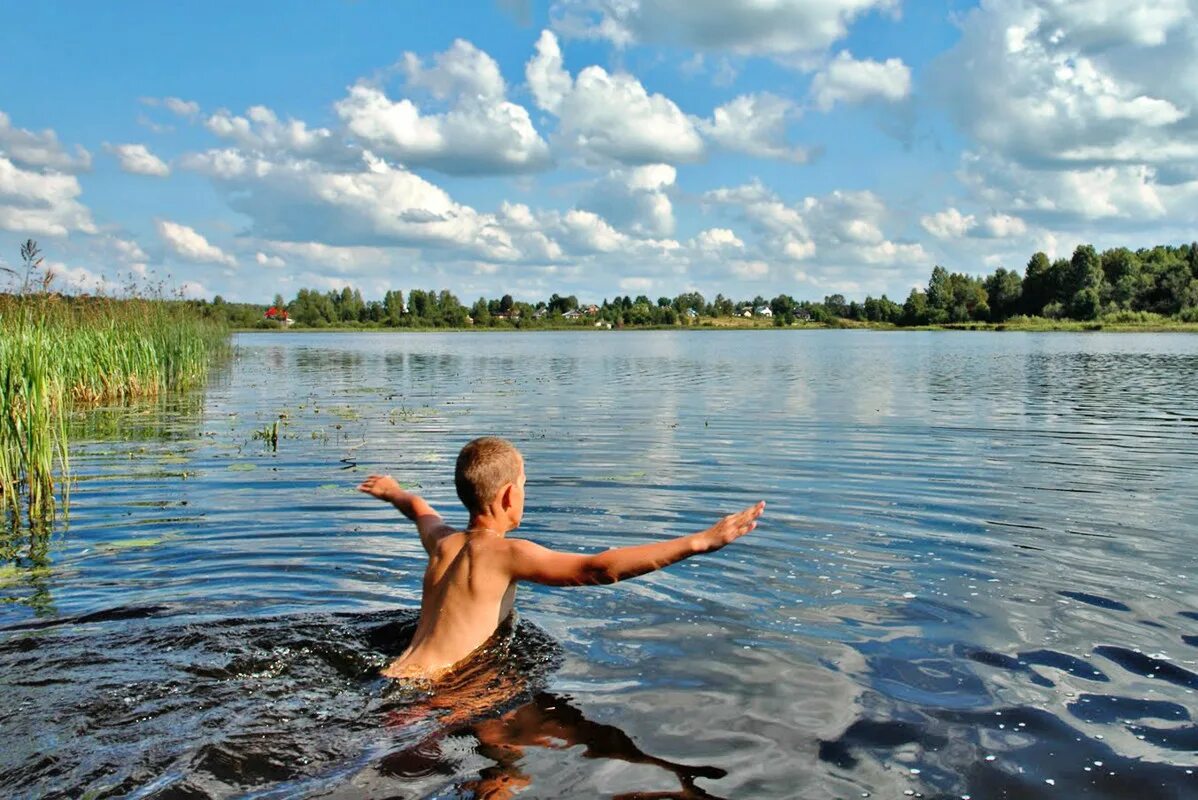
(243, 466)
(133, 544)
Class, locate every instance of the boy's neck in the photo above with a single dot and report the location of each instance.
(486, 523)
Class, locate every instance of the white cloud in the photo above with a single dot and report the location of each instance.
(342, 260)
(1106, 22)
(41, 203)
(194, 290)
(138, 160)
(481, 132)
(777, 27)
(39, 150)
(844, 79)
(75, 280)
(175, 105)
(547, 77)
(610, 115)
(636, 284)
(1131, 192)
(755, 124)
(262, 133)
(226, 164)
(635, 199)
(715, 241)
(1075, 84)
(587, 232)
(749, 269)
(845, 229)
(948, 224)
(189, 245)
(463, 69)
(270, 262)
(952, 224)
(477, 136)
(1002, 226)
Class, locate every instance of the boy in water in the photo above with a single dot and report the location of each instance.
(470, 583)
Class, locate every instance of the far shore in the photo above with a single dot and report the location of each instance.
(1034, 325)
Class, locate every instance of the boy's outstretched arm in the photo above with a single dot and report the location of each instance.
(428, 522)
(531, 562)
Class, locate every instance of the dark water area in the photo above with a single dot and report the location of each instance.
(977, 573)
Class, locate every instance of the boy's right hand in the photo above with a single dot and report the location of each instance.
(731, 528)
(384, 487)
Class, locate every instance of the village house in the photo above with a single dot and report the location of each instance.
(763, 311)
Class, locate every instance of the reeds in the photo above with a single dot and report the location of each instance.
(59, 352)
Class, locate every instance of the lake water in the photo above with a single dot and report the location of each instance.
(977, 573)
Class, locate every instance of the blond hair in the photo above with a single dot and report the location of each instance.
(484, 467)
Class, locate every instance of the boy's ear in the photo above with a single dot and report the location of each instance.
(505, 496)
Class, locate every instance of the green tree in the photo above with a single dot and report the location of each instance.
(393, 307)
(1039, 287)
(1083, 283)
(481, 312)
(1004, 289)
(915, 309)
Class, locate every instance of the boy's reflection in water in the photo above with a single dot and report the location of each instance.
(497, 698)
(548, 721)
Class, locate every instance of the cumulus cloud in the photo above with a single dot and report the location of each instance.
(755, 124)
(175, 105)
(547, 77)
(610, 115)
(41, 202)
(463, 69)
(844, 229)
(716, 241)
(1077, 196)
(138, 160)
(189, 245)
(844, 79)
(39, 149)
(270, 262)
(1002, 226)
(481, 132)
(777, 28)
(376, 204)
(476, 137)
(74, 280)
(948, 224)
(587, 232)
(261, 134)
(636, 199)
(1079, 110)
(951, 224)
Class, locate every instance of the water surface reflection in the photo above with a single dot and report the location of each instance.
(976, 576)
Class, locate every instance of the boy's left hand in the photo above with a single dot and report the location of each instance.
(384, 487)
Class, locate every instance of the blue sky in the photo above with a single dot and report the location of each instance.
(593, 147)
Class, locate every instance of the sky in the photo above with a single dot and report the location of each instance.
(589, 147)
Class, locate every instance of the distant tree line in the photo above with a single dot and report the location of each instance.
(1089, 285)
(1162, 280)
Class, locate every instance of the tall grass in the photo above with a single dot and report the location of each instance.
(56, 353)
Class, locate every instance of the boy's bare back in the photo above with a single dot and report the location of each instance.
(470, 583)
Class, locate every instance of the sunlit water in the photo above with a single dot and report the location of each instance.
(977, 573)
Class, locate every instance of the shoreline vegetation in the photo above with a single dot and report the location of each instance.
(1152, 289)
(58, 353)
